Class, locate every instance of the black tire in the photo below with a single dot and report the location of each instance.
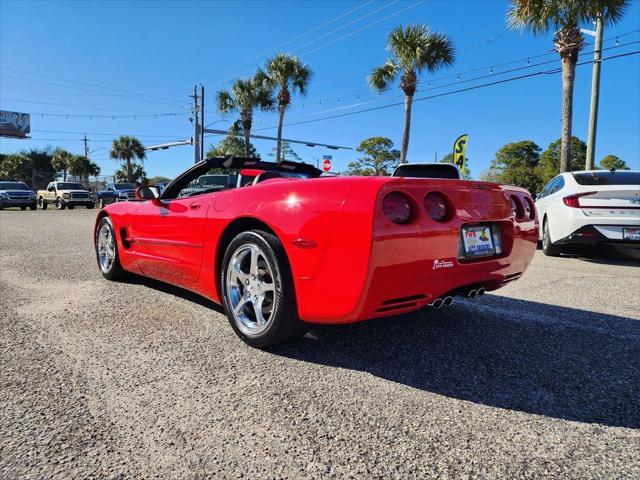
(548, 247)
(115, 270)
(60, 204)
(284, 323)
(43, 203)
(33, 207)
(23, 208)
(89, 206)
(71, 206)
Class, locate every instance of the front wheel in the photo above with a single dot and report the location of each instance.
(23, 208)
(89, 206)
(107, 251)
(548, 247)
(258, 293)
(71, 206)
(60, 204)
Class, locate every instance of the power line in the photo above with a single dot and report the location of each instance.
(288, 42)
(457, 82)
(461, 74)
(461, 90)
(102, 87)
(114, 116)
(362, 28)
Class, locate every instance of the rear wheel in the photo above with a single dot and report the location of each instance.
(42, 203)
(548, 247)
(258, 293)
(107, 251)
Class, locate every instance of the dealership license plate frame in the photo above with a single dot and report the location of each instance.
(494, 241)
(634, 237)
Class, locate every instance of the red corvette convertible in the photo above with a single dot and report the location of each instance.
(284, 247)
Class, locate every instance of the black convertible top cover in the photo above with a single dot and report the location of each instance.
(237, 163)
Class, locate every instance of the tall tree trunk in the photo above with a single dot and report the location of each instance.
(281, 109)
(64, 174)
(129, 170)
(568, 78)
(408, 100)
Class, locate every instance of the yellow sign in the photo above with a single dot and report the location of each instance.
(460, 152)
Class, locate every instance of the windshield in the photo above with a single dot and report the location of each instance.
(212, 180)
(69, 186)
(608, 178)
(125, 186)
(13, 186)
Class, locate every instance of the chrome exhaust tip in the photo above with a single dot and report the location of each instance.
(480, 292)
(472, 294)
(437, 303)
(448, 300)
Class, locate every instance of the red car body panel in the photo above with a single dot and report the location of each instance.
(349, 261)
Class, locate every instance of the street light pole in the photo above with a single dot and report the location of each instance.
(595, 96)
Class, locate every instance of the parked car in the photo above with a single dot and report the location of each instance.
(207, 183)
(16, 194)
(596, 207)
(428, 170)
(115, 192)
(293, 248)
(65, 195)
(161, 186)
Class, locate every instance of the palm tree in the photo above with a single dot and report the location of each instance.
(81, 166)
(60, 161)
(127, 148)
(565, 18)
(244, 97)
(413, 49)
(289, 75)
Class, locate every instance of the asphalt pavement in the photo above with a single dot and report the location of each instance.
(138, 379)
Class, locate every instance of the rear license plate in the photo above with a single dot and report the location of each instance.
(478, 241)
(631, 234)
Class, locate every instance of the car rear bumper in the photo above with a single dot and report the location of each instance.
(6, 203)
(595, 235)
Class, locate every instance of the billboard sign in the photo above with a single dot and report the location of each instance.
(14, 124)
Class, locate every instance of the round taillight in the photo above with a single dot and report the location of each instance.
(397, 207)
(529, 208)
(436, 206)
(516, 207)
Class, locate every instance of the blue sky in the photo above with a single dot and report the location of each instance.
(143, 58)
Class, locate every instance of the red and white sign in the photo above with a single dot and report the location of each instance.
(326, 163)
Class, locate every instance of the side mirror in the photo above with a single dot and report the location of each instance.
(147, 193)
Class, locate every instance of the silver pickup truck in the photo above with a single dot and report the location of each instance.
(65, 195)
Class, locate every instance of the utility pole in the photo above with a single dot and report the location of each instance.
(595, 96)
(196, 126)
(202, 122)
(86, 148)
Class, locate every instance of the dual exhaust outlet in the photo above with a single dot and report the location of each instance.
(446, 301)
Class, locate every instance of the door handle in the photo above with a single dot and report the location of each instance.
(195, 206)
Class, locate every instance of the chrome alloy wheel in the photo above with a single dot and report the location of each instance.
(106, 248)
(250, 289)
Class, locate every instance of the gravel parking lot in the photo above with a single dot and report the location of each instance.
(139, 379)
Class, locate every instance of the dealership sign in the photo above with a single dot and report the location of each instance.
(14, 124)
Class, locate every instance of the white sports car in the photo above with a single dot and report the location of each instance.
(590, 207)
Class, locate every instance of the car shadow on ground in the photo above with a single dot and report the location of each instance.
(621, 255)
(173, 290)
(518, 355)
